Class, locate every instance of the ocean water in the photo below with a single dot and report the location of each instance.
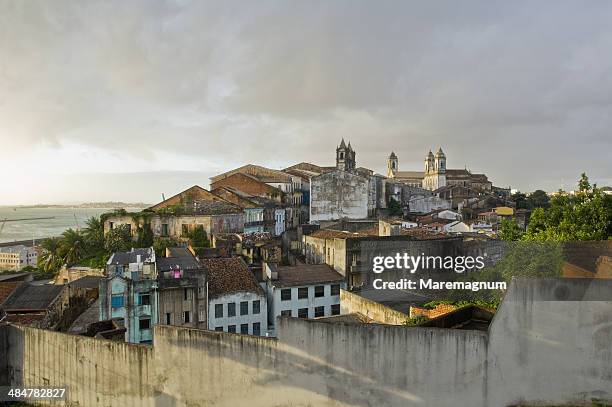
(63, 218)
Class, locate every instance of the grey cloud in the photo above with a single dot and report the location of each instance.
(520, 90)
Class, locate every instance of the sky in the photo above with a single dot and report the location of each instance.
(126, 100)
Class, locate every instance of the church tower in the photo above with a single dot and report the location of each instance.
(345, 157)
(435, 170)
(392, 165)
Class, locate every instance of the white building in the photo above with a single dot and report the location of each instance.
(236, 302)
(279, 221)
(17, 257)
(302, 291)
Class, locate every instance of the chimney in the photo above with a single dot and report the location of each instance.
(269, 271)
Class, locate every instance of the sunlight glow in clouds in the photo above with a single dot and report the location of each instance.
(116, 90)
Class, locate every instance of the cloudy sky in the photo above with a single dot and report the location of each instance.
(124, 100)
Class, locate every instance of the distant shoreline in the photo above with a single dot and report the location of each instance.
(92, 205)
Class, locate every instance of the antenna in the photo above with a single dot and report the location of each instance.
(76, 221)
(163, 197)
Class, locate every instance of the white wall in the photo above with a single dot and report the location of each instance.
(250, 318)
(276, 305)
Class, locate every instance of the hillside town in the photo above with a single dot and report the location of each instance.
(263, 243)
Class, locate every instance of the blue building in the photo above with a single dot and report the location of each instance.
(129, 293)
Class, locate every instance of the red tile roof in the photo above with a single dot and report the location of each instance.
(6, 289)
(228, 275)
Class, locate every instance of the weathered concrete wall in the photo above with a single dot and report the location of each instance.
(96, 372)
(539, 348)
(320, 364)
(552, 341)
(350, 303)
(337, 195)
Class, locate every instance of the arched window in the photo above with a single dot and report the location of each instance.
(341, 155)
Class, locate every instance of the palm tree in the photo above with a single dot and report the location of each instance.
(94, 234)
(73, 245)
(51, 258)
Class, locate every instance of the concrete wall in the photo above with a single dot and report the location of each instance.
(338, 195)
(350, 303)
(550, 343)
(96, 372)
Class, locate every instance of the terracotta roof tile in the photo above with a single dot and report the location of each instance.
(227, 275)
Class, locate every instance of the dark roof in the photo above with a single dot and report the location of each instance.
(33, 297)
(305, 274)
(87, 282)
(184, 260)
(227, 275)
(14, 277)
(147, 255)
(7, 288)
(89, 316)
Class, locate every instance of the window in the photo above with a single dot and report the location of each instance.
(231, 329)
(231, 309)
(244, 329)
(286, 313)
(319, 291)
(286, 294)
(111, 225)
(185, 294)
(117, 300)
(302, 293)
(256, 307)
(184, 230)
(303, 313)
(168, 318)
(335, 289)
(219, 329)
(335, 309)
(144, 299)
(218, 310)
(244, 308)
(144, 323)
(186, 317)
(256, 328)
(319, 312)
(164, 229)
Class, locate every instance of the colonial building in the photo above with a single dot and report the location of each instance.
(436, 174)
(176, 216)
(237, 303)
(302, 291)
(346, 192)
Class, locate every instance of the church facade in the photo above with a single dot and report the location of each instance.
(346, 191)
(436, 175)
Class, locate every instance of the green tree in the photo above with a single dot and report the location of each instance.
(395, 208)
(509, 230)
(520, 200)
(585, 215)
(73, 245)
(51, 258)
(198, 237)
(538, 199)
(118, 239)
(94, 234)
(161, 243)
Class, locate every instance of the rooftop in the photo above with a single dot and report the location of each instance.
(33, 297)
(87, 282)
(7, 288)
(228, 275)
(305, 274)
(147, 255)
(198, 201)
(178, 256)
